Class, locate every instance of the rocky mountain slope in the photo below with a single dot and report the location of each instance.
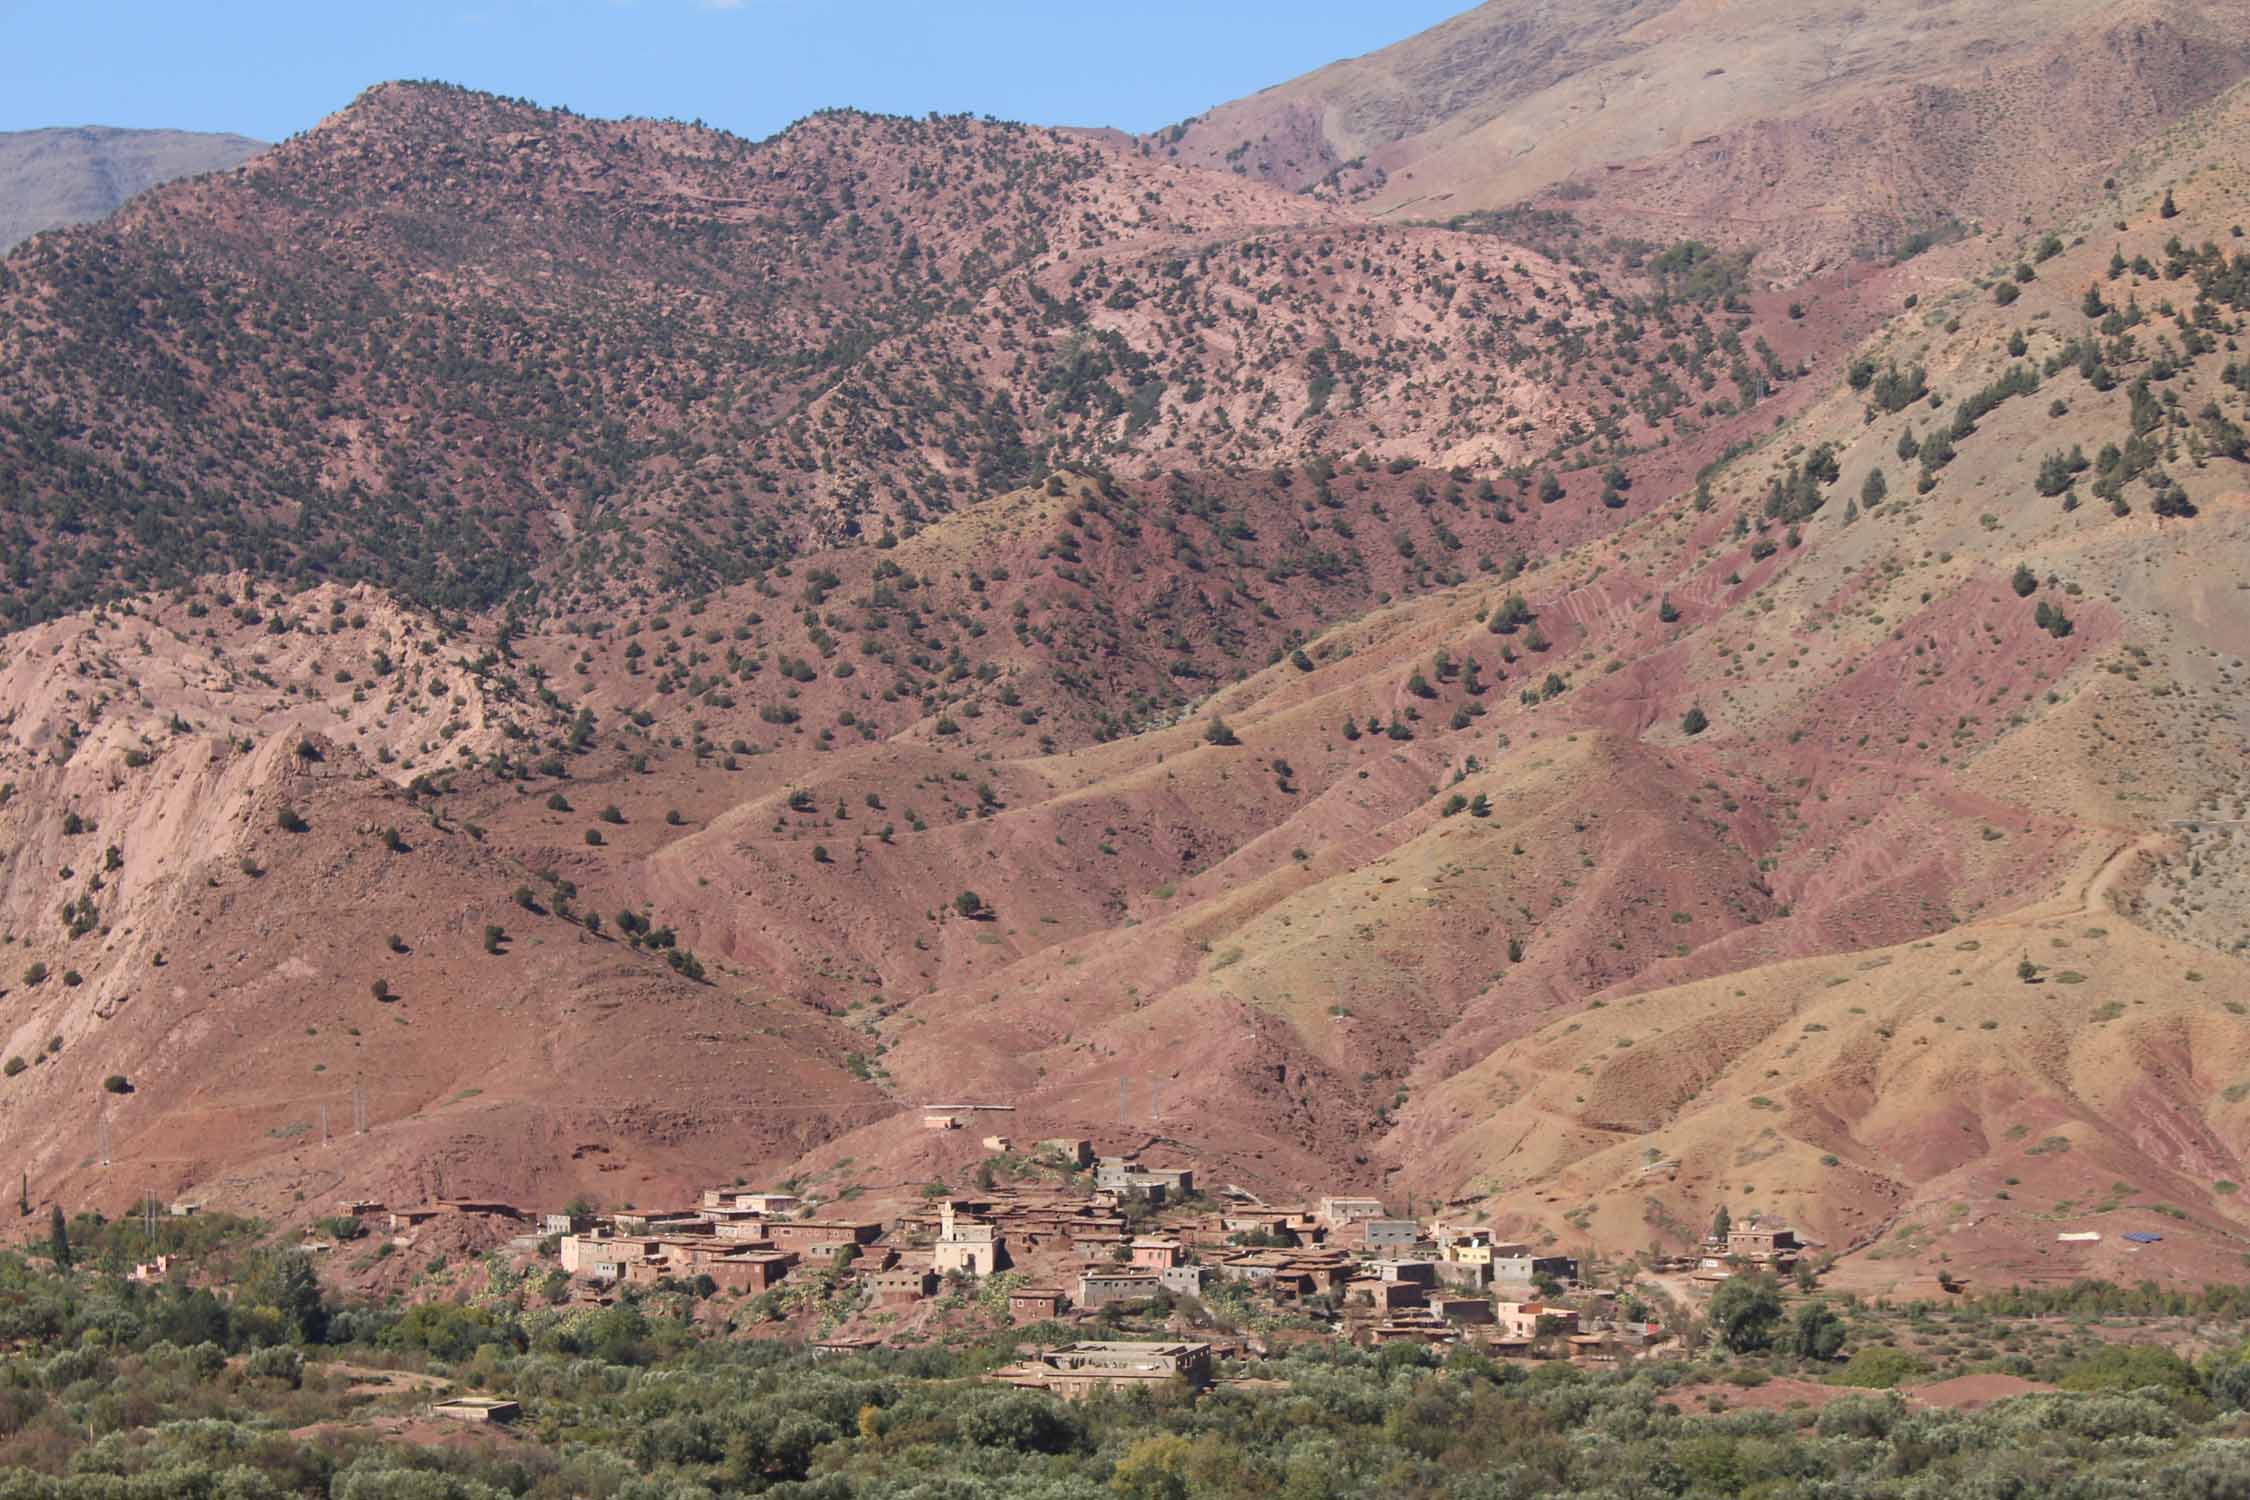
(1766, 747)
(1814, 131)
(458, 346)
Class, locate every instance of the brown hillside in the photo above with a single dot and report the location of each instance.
(1811, 131)
(1796, 831)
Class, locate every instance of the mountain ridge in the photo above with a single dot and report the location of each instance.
(1768, 753)
(65, 175)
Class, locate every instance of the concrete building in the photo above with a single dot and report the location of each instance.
(1420, 1272)
(971, 1246)
(1520, 1320)
(1335, 1211)
(1388, 1234)
(1157, 1253)
(1079, 1153)
(969, 1257)
(1100, 1288)
(1184, 1281)
(1518, 1266)
(1077, 1370)
(477, 1409)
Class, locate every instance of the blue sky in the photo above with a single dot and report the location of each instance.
(269, 68)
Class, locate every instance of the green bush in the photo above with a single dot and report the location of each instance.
(1879, 1367)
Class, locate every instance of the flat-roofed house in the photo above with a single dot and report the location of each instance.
(817, 1236)
(1100, 1288)
(1520, 1320)
(1077, 1370)
(1035, 1304)
(1157, 1253)
(902, 1284)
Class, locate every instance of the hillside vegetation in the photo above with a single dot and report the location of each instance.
(638, 658)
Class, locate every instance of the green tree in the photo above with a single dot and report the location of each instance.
(1217, 733)
(1694, 721)
(1745, 1313)
(58, 1238)
(1816, 1332)
(284, 1282)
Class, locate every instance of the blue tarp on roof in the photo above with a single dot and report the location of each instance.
(2142, 1237)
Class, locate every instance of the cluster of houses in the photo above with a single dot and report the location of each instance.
(1137, 1241)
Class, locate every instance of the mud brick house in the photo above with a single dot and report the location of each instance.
(1763, 1243)
(1407, 1328)
(651, 1220)
(422, 1213)
(1387, 1296)
(1096, 1244)
(1124, 1176)
(810, 1237)
(749, 1270)
(903, 1284)
(1078, 1153)
(1078, 1370)
(1289, 1225)
(1459, 1309)
(1473, 1276)
(1035, 1304)
(748, 1201)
